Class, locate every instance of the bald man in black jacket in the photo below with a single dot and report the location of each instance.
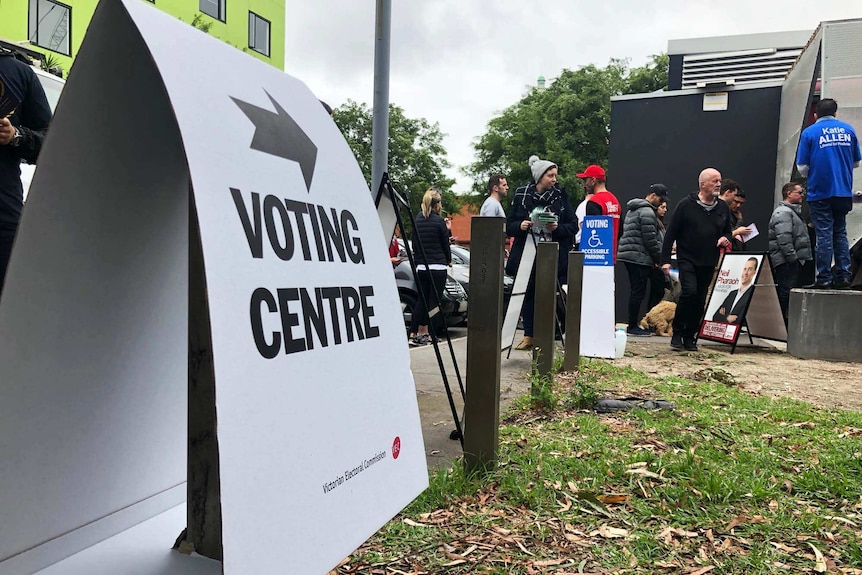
(701, 227)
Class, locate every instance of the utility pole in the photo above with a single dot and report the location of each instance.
(380, 112)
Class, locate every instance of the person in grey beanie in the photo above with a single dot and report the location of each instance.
(543, 192)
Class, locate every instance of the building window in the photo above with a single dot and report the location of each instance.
(214, 8)
(258, 33)
(50, 25)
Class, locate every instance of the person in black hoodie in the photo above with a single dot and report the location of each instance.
(433, 256)
(700, 226)
(544, 193)
(24, 118)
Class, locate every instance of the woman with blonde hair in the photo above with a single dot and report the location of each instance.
(433, 256)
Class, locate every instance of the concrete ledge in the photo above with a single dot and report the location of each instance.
(825, 324)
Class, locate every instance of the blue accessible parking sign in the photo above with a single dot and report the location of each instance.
(597, 241)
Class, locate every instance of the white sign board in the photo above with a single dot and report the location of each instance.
(715, 102)
(316, 451)
(597, 312)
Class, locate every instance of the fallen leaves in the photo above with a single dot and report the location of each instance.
(742, 519)
(608, 532)
(666, 494)
(819, 561)
(668, 534)
(641, 469)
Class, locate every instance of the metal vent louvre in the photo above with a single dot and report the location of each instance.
(741, 67)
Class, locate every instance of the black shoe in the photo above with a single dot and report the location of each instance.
(690, 344)
(816, 285)
(676, 342)
(841, 284)
(637, 331)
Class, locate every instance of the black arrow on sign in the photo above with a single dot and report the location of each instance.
(278, 134)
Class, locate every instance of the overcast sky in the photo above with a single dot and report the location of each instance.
(461, 62)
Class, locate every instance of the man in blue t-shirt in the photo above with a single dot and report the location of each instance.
(828, 152)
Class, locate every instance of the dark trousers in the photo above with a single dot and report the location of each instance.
(528, 308)
(786, 277)
(657, 282)
(694, 281)
(639, 276)
(431, 284)
(7, 238)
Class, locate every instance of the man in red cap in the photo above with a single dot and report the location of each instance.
(603, 202)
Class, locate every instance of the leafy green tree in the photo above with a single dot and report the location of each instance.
(567, 123)
(650, 77)
(417, 156)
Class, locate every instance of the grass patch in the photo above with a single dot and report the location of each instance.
(726, 483)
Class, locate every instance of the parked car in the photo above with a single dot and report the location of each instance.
(461, 272)
(453, 306)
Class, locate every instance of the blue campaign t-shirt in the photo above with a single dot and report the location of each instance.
(829, 148)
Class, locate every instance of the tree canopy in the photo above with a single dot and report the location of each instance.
(417, 156)
(567, 123)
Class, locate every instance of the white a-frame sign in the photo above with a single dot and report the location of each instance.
(198, 235)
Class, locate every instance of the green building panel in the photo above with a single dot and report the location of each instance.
(57, 28)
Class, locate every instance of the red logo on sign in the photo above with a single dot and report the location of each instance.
(396, 448)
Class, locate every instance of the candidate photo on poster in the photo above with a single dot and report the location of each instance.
(733, 288)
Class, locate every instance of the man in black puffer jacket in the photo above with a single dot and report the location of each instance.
(640, 250)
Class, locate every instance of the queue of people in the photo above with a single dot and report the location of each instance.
(704, 224)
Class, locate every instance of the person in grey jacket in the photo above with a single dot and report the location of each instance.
(640, 250)
(789, 244)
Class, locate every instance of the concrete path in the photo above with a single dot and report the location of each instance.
(434, 410)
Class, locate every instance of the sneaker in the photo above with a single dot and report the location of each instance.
(676, 342)
(841, 284)
(419, 340)
(816, 285)
(639, 332)
(689, 343)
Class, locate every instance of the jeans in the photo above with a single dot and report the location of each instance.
(786, 277)
(830, 226)
(695, 282)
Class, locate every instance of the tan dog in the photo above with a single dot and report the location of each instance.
(660, 318)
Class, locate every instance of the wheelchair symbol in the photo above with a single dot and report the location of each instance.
(593, 241)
